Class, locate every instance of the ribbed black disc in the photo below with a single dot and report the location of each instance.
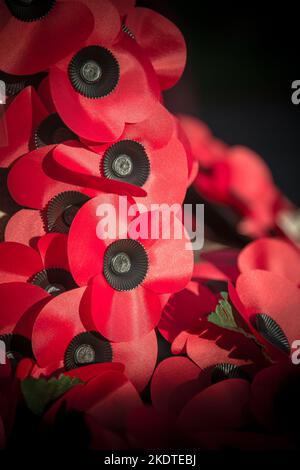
(52, 131)
(87, 348)
(94, 72)
(55, 281)
(272, 332)
(125, 264)
(128, 31)
(225, 371)
(126, 161)
(30, 10)
(62, 209)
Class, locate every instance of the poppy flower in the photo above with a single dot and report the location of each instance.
(274, 400)
(106, 398)
(47, 267)
(94, 88)
(130, 271)
(162, 42)
(217, 266)
(123, 5)
(64, 334)
(272, 255)
(52, 181)
(193, 165)
(177, 380)
(268, 304)
(135, 162)
(39, 27)
(200, 140)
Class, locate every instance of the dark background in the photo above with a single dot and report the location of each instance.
(242, 61)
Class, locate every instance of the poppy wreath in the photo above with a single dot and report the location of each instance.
(132, 340)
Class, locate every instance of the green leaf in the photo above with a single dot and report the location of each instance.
(223, 315)
(38, 393)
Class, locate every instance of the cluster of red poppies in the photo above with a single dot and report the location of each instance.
(124, 343)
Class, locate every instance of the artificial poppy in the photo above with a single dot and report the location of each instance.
(39, 27)
(64, 334)
(47, 267)
(268, 304)
(134, 161)
(274, 255)
(162, 42)
(47, 182)
(95, 90)
(131, 268)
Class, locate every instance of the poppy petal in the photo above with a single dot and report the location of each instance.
(53, 250)
(175, 380)
(23, 115)
(16, 298)
(223, 405)
(25, 227)
(123, 316)
(37, 166)
(185, 308)
(26, 262)
(272, 255)
(139, 357)
(162, 41)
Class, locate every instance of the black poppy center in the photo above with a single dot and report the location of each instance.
(272, 332)
(55, 281)
(94, 72)
(62, 209)
(52, 131)
(87, 348)
(126, 161)
(224, 371)
(125, 264)
(30, 10)
(16, 83)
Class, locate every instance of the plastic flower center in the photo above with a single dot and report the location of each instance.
(55, 289)
(122, 166)
(85, 354)
(69, 214)
(91, 71)
(121, 263)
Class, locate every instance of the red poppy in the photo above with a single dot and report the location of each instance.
(149, 267)
(39, 28)
(268, 304)
(200, 139)
(46, 267)
(23, 117)
(26, 227)
(133, 161)
(47, 183)
(272, 255)
(107, 398)
(95, 88)
(162, 41)
(64, 334)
